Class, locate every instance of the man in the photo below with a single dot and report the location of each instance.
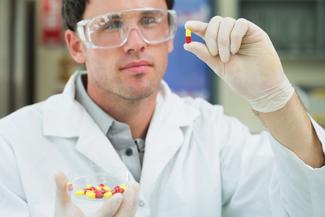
(189, 158)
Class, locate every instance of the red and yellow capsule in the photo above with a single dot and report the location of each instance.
(188, 36)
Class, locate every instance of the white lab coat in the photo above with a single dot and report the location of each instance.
(198, 162)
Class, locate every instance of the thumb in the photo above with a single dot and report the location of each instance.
(198, 27)
(201, 51)
(130, 201)
(62, 186)
(110, 206)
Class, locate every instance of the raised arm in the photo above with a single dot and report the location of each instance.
(242, 54)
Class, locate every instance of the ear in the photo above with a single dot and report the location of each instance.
(75, 46)
(170, 45)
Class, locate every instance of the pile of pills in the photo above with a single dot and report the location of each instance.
(100, 192)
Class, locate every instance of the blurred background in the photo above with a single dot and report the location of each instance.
(35, 64)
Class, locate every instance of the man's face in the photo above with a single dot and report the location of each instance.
(133, 71)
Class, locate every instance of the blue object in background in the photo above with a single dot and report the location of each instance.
(186, 74)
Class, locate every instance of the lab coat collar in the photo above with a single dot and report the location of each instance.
(65, 117)
(62, 114)
(93, 144)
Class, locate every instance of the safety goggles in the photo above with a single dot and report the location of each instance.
(111, 30)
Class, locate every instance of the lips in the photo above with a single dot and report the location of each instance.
(137, 66)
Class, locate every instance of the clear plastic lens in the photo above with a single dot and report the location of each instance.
(111, 30)
(155, 27)
(106, 33)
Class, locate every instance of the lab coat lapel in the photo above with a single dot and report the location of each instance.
(94, 145)
(165, 137)
(161, 146)
(64, 117)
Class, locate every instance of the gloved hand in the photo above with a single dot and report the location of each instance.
(117, 206)
(243, 56)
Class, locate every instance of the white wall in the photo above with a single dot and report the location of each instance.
(20, 54)
(49, 65)
(48, 72)
(4, 57)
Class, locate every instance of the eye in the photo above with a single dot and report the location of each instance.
(149, 20)
(113, 25)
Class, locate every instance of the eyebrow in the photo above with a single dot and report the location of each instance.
(150, 12)
(116, 16)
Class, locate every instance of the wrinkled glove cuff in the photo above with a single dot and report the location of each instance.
(274, 98)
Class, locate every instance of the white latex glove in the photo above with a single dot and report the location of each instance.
(117, 206)
(243, 56)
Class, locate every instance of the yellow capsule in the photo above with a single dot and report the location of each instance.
(188, 33)
(79, 193)
(108, 194)
(91, 194)
(124, 186)
(89, 186)
(106, 188)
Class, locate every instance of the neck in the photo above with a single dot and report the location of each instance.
(136, 113)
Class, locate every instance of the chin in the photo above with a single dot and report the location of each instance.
(138, 93)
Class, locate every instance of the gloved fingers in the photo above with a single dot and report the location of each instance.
(254, 34)
(197, 27)
(202, 52)
(62, 187)
(239, 31)
(225, 29)
(207, 31)
(130, 201)
(211, 35)
(110, 206)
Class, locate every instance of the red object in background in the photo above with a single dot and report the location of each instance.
(51, 22)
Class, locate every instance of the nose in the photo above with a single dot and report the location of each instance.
(134, 43)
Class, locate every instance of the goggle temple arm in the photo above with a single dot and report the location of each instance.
(82, 35)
